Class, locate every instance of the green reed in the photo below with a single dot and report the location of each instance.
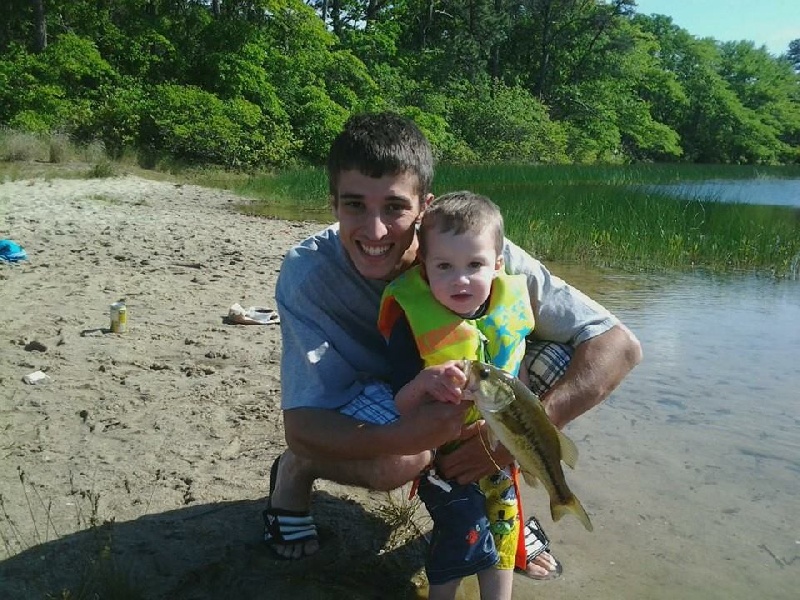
(595, 214)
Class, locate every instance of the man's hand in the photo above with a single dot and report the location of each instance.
(430, 425)
(474, 458)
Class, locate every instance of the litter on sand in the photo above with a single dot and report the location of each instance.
(252, 316)
(11, 251)
(35, 378)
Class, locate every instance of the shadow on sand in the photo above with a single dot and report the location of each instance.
(215, 551)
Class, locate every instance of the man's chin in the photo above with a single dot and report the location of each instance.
(375, 269)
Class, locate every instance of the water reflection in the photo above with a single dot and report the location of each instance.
(776, 192)
(691, 469)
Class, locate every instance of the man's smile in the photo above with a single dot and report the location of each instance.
(374, 249)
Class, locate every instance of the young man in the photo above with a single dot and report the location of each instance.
(339, 415)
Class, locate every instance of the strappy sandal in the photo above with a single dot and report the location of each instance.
(286, 527)
(536, 542)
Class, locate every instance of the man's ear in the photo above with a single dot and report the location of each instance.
(499, 264)
(425, 203)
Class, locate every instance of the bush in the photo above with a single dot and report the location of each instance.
(117, 119)
(446, 146)
(317, 120)
(503, 123)
(193, 125)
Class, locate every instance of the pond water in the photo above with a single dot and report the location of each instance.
(776, 192)
(691, 470)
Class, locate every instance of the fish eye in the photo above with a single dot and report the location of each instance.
(484, 373)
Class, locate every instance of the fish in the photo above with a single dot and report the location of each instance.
(517, 419)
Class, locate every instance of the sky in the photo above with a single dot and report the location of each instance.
(772, 23)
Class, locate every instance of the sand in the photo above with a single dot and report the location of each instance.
(142, 462)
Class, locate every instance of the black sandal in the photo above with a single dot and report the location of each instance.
(286, 527)
(536, 542)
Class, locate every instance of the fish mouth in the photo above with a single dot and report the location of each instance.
(486, 386)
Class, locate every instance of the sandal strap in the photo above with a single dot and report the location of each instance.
(286, 527)
(536, 540)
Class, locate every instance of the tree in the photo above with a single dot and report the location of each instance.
(793, 54)
(40, 26)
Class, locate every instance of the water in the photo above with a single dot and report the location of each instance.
(691, 470)
(776, 192)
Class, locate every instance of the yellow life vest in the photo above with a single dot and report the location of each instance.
(497, 337)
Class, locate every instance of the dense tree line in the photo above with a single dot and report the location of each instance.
(253, 83)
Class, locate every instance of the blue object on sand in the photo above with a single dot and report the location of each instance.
(11, 251)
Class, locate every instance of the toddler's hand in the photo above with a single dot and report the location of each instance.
(443, 382)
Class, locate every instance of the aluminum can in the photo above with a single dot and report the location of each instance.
(119, 317)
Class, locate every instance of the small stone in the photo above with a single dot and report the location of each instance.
(35, 346)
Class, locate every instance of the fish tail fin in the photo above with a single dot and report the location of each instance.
(574, 506)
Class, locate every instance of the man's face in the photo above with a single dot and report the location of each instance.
(377, 222)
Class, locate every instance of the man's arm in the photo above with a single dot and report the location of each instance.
(598, 366)
(326, 435)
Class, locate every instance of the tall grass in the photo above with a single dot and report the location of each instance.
(24, 155)
(598, 215)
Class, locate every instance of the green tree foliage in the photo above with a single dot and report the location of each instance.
(502, 123)
(53, 90)
(768, 91)
(196, 126)
(249, 83)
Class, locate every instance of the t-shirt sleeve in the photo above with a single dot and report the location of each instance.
(403, 354)
(314, 372)
(562, 313)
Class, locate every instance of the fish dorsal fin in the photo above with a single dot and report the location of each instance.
(569, 452)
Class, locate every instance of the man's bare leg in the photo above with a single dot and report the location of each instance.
(296, 476)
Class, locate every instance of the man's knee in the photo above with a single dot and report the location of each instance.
(391, 472)
(545, 363)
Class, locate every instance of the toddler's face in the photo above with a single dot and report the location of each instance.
(460, 269)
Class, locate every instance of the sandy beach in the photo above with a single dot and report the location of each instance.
(142, 460)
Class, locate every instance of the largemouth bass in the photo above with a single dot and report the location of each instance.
(517, 419)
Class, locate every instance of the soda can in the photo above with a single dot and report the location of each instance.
(119, 317)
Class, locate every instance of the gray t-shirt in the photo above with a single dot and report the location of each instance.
(329, 314)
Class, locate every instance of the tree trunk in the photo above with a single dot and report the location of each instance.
(324, 12)
(39, 26)
(494, 56)
(336, 17)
